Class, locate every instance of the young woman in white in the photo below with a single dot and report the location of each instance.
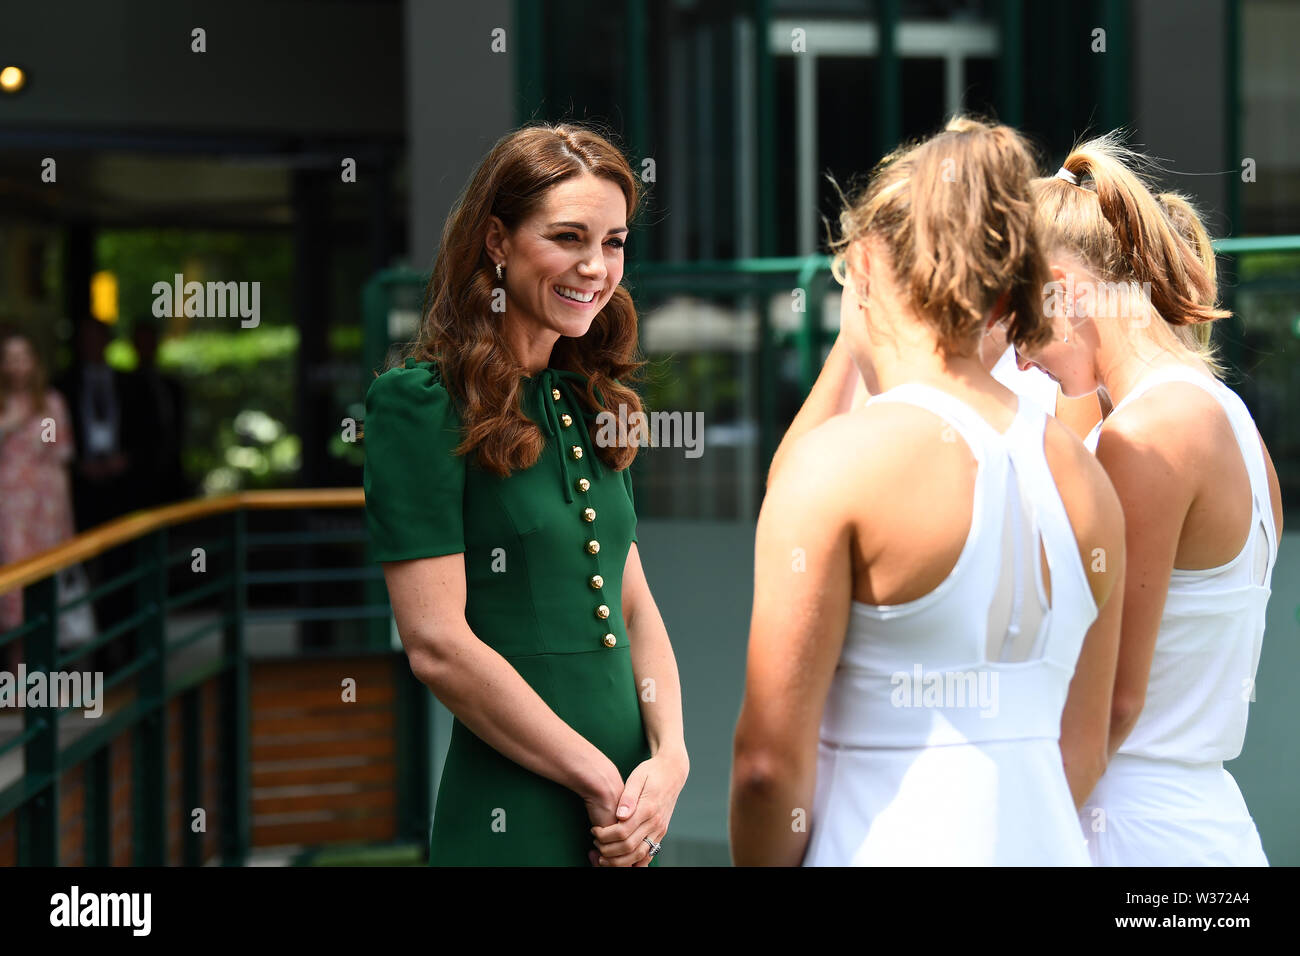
(1202, 510)
(933, 637)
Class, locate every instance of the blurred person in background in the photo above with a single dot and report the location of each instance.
(98, 396)
(36, 447)
(160, 399)
(106, 425)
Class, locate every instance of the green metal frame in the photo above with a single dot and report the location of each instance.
(1011, 63)
(35, 796)
(748, 276)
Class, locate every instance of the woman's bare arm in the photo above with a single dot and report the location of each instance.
(1154, 485)
(802, 593)
(654, 785)
(838, 389)
(480, 687)
(1095, 514)
(1078, 414)
(653, 661)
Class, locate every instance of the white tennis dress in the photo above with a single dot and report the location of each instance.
(940, 736)
(1166, 799)
(1031, 382)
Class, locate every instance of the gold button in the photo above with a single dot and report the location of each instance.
(602, 612)
(576, 451)
(583, 484)
(555, 394)
(597, 581)
(593, 546)
(566, 419)
(588, 514)
(610, 640)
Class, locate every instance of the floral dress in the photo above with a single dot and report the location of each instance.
(35, 501)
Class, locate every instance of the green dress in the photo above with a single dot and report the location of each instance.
(544, 554)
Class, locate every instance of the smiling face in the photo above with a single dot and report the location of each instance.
(563, 263)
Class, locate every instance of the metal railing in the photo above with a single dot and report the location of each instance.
(750, 287)
(35, 796)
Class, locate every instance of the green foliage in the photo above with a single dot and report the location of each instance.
(239, 382)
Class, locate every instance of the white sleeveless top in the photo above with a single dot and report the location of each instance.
(1207, 649)
(1031, 383)
(939, 740)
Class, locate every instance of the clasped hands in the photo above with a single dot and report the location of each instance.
(642, 811)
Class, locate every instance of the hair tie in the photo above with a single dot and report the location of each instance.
(1068, 176)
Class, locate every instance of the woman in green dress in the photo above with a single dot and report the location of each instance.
(507, 533)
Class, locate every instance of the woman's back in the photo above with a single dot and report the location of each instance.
(932, 670)
(1212, 623)
(940, 735)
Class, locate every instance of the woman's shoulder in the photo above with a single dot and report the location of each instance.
(847, 450)
(408, 410)
(1176, 422)
(413, 384)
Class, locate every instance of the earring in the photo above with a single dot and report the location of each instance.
(499, 275)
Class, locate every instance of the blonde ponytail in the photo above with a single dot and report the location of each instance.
(1185, 218)
(956, 216)
(1124, 232)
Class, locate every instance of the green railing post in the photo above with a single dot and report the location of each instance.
(767, 383)
(1234, 331)
(39, 817)
(810, 331)
(149, 793)
(411, 704)
(236, 835)
(765, 123)
(191, 777)
(1011, 64)
(1114, 65)
(889, 97)
(530, 80)
(97, 817)
(636, 83)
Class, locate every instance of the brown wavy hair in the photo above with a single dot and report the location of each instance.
(955, 215)
(465, 338)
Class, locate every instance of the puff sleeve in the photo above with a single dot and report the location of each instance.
(414, 483)
(627, 481)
